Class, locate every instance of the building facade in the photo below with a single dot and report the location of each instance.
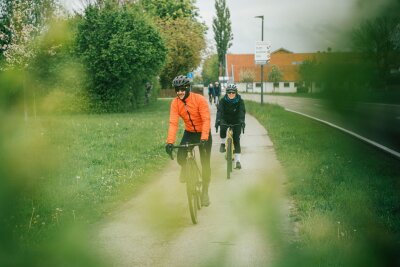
(242, 70)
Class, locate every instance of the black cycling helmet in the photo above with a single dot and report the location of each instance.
(231, 88)
(180, 81)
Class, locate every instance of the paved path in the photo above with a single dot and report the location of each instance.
(244, 225)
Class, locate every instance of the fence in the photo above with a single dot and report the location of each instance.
(171, 92)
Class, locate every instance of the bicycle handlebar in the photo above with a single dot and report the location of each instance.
(230, 126)
(187, 145)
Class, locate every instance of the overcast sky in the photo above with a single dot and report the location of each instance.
(297, 25)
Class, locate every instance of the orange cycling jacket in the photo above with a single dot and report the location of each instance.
(195, 114)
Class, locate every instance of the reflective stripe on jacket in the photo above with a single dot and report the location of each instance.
(195, 114)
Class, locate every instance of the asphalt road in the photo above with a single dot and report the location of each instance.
(245, 225)
(379, 123)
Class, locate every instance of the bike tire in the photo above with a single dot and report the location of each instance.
(198, 186)
(191, 191)
(229, 158)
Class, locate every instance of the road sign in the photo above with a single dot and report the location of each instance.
(262, 52)
(190, 75)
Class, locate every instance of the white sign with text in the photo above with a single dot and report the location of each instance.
(262, 52)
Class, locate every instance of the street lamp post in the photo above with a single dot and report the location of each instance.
(262, 65)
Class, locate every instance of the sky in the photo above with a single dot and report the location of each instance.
(299, 26)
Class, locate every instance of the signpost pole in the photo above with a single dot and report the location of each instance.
(262, 64)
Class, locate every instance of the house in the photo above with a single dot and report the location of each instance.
(241, 69)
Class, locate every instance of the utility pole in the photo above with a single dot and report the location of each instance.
(262, 65)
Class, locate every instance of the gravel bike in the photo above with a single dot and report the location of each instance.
(229, 147)
(192, 175)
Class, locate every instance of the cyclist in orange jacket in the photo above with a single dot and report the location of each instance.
(195, 113)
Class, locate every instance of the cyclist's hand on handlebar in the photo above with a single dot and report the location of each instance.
(169, 148)
(203, 143)
(243, 125)
(217, 124)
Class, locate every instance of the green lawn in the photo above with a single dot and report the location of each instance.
(346, 193)
(62, 171)
(71, 170)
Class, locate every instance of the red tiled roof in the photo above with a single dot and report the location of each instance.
(286, 61)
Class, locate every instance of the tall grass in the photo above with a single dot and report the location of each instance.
(346, 193)
(62, 173)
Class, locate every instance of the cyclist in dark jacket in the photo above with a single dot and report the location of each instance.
(211, 93)
(231, 110)
(217, 92)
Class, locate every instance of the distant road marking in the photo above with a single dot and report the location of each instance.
(386, 149)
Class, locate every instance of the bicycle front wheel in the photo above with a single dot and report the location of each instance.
(229, 158)
(191, 191)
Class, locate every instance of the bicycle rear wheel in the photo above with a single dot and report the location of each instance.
(229, 158)
(191, 190)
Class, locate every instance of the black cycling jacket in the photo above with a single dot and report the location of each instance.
(231, 112)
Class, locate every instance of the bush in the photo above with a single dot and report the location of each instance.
(121, 50)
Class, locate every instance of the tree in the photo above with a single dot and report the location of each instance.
(121, 50)
(395, 37)
(18, 48)
(184, 36)
(20, 22)
(222, 32)
(308, 72)
(167, 9)
(210, 69)
(275, 75)
(5, 20)
(374, 39)
(247, 76)
(184, 39)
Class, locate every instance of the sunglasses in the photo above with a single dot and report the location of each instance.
(231, 93)
(182, 89)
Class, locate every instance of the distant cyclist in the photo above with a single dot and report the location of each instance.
(211, 93)
(217, 92)
(231, 110)
(195, 113)
(147, 91)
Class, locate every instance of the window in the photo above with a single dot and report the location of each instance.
(276, 85)
(258, 85)
(286, 85)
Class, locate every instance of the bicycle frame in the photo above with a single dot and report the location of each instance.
(193, 180)
(229, 146)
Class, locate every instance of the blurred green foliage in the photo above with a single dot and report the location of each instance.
(26, 158)
(369, 70)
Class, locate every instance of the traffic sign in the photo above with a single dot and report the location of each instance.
(190, 75)
(262, 52)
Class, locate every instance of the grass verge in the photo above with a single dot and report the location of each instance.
(71, 170)
(347, 206)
